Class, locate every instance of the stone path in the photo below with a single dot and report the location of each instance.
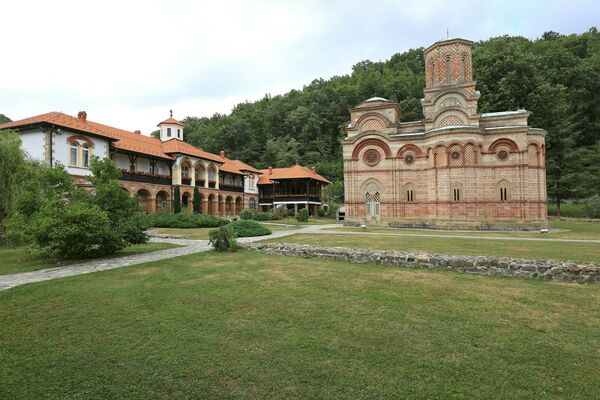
(187, 247)
(197, 246)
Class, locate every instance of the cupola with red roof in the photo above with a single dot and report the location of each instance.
(170, 128)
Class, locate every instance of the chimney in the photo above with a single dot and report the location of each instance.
(222, 153)
(313, 169)
(270, 170)
(82, 116)
(137, 131)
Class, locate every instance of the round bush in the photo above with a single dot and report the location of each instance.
(248, 228)
(223, 239)
(246, 215)
(302, 215)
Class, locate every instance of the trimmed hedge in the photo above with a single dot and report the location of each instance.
(183, 220)
(248, 228)
(302, 215)
(265, 216)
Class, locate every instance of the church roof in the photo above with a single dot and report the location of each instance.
(294, 172)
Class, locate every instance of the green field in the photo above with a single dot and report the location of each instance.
(251, 326)
(545, 249)
(564, 230)
(16, 260)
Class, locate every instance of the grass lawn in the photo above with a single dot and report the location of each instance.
(589, 252)
(311, 221)
(250, 326)
(568, 230)
(202, 233)
(19, 259)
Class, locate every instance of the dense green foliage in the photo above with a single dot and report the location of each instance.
(248, 228)
(246, 214)
(302, 215)
(176, 200)
(264, 216)
(4, 119)
(593, 206)
(555, 77)
(223, 239)
(14, 169)
(50, 214)
(183, 220)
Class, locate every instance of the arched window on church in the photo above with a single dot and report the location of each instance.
(447, 60)
(377, 204)
(503, 190)
(368, 204)
(409, 193)
(463, 66)
(457, 193)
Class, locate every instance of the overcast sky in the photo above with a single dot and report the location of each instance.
(128, 62)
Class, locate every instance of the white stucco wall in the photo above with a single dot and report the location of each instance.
(121, 160)
(33, 143)
(61, 151)
(247, 186)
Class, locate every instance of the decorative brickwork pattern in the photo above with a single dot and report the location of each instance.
(456, 167)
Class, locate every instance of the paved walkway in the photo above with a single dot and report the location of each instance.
(197, 246)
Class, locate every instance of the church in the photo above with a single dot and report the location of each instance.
(456, 168)
(151, 168)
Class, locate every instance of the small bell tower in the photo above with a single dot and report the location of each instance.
(170, 128)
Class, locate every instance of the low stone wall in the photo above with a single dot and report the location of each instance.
(482, 265)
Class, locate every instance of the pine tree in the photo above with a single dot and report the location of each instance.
(176, 200)
(197, 204)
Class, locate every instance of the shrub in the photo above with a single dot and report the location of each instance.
(223, 239)
(264, 216)
(184, 220)
(248, 228)
(50, 214)
(302, 215)
(246, 215)
(291, 212)
(592, 205)
(321, 212)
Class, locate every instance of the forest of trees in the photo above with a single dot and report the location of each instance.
(556, 77)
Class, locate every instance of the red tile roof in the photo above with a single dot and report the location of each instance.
(171, 121)
(60, 119)
(237, 167)
(179, 146)
(297, 171)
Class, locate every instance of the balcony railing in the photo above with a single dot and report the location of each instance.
(144, 177)
(200, 182)
(294, 198)
(186, 181)
(231, 188)
(212, 184)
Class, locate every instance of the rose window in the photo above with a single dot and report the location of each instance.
(503, 155)
(409, 159)
(372, 157)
